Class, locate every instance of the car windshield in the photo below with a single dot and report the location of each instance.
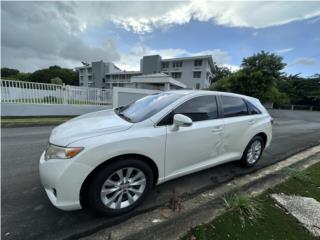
(146, 107)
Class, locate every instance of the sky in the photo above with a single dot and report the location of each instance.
(37, 35)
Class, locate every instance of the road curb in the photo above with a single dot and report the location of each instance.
(163, 223)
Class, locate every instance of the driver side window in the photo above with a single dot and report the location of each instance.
(198, 109)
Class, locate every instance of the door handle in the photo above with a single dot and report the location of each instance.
(250, 122)
(217, 129)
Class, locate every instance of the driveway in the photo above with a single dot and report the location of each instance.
(28, 214)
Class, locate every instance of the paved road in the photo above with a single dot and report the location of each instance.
(28, 214)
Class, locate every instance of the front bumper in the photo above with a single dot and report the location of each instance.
(62, 181)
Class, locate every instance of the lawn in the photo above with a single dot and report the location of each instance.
(260, 217)
(33, 121)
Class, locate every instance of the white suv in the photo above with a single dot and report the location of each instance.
(109, 160)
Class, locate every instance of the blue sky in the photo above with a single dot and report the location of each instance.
(122, 32)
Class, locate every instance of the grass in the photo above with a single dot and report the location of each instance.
(260, 218)
(33, 121)
(246, 207)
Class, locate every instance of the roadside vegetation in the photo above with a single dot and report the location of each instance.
(53, 74)
(260, 217)
(33, 121)
(262, 76)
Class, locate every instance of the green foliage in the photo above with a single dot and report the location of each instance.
(8, 72)
(68, 76)
(257, 77)
(303, 91)
(56, 80)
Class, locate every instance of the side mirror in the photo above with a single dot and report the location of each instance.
(180, 120)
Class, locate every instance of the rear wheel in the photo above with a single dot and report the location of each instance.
(120, 187)
(253, 152)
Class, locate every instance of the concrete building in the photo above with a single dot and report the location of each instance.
(104, 75)
(194, 72)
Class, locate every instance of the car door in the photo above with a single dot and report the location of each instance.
(239, 125)
(190, 148)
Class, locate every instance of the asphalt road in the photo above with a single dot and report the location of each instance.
(28, 214)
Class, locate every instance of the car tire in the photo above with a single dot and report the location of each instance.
(253, 152)
(111, 195)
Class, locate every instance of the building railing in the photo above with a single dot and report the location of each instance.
(42, 93)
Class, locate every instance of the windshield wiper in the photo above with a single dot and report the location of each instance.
(120, 114)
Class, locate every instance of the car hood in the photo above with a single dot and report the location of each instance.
(88, 125)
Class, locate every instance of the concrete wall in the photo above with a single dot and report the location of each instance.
(124, 96)
(16, 109)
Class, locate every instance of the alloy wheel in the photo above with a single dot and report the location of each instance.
(254, 152)
(123, 187)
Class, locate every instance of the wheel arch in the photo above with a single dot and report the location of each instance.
(263, 136)
(85, 184)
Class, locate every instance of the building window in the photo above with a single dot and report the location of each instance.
(177, 64)
(197, 85)
(165, 64)
(108, 77)
(81, 84)
(81, 78)
(198, 63)
(81, 71)
(196, 74)
(90, 78)
(176, 74)
(89, 70)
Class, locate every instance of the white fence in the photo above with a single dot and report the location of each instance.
(42, 93)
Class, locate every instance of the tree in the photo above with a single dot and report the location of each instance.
(220, 72)
(301, 91)
(68, 76)
(257, 77)
(9, 72)
(56, 80)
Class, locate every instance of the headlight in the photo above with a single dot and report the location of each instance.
(57, 152)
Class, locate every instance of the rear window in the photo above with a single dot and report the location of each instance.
(233, 106)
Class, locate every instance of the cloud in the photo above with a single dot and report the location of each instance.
(232, 14)
(305, 61)
(284, 50)
(39, 34)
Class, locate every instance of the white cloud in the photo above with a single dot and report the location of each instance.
(304, 61)
(284, 50)
(254, 14)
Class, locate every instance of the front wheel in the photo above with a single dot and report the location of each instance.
(120, 187)
(253, 152)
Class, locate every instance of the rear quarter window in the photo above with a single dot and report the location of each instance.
(234, 106)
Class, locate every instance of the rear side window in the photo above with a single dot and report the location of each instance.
(253, 109)
(233, 106)
(198, 109)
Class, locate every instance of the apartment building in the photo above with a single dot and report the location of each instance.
(104, 75)
(194, 72)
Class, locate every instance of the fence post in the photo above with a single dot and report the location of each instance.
(64, 94)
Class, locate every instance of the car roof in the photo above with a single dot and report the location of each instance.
(199, 92)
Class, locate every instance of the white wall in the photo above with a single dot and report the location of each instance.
(123, 96)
